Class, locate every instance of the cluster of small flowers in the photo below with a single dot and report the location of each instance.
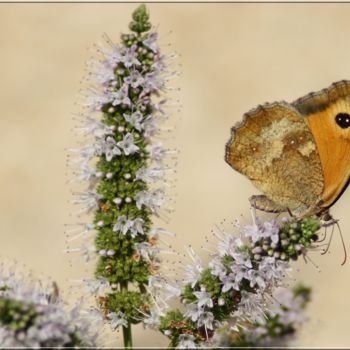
(278, 328)
(237, 285)
(124, 185)
(284, 243)
(32, 315)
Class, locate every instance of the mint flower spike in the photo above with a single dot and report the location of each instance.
(33, 315)
(238, 289)
(126, 175)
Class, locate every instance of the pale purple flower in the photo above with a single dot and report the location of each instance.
(114, 57)
(150, 127)
(193, 272)
(242, 258)
(135, 119)
(229, 282)
(254, 232)
(271, 229)
(127, 145)
(228, 245)
(255, 279)
(121, 96)
(217, 268)
(251, 307)
(129, 57)
(111, 148)
(105, 74)
(95, 102)
(152, 82)
(117, 320)
(239, 272)
(151, 42)
(135, 79)
(156, 152)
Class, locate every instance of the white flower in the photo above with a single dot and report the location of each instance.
(96, 286)
(206, 319)
(186, 341)
(117, 320)
(146, 250)
(152, 320)
(152, 199)
(149, 175)
(128, 145)
(137, 227)
(194, 312)
(204, 299)
(123, 224)
(134, 119)
(88, 199)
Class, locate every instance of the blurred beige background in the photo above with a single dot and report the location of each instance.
(234, 56)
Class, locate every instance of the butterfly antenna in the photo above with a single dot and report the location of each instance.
(344, 247)
(329, 242)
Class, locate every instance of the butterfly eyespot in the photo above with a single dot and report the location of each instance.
(343, 120)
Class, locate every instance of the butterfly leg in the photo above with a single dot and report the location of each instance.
(265, 204)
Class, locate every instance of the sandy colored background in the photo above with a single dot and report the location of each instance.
(234, 56)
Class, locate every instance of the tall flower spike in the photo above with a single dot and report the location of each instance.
(124, 170)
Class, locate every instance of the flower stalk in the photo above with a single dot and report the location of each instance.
(124, 169)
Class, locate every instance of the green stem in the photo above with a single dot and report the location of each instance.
(127, 336)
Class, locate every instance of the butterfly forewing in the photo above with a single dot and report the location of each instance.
(274, 147)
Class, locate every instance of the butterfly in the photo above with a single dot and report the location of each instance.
(297, 154)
